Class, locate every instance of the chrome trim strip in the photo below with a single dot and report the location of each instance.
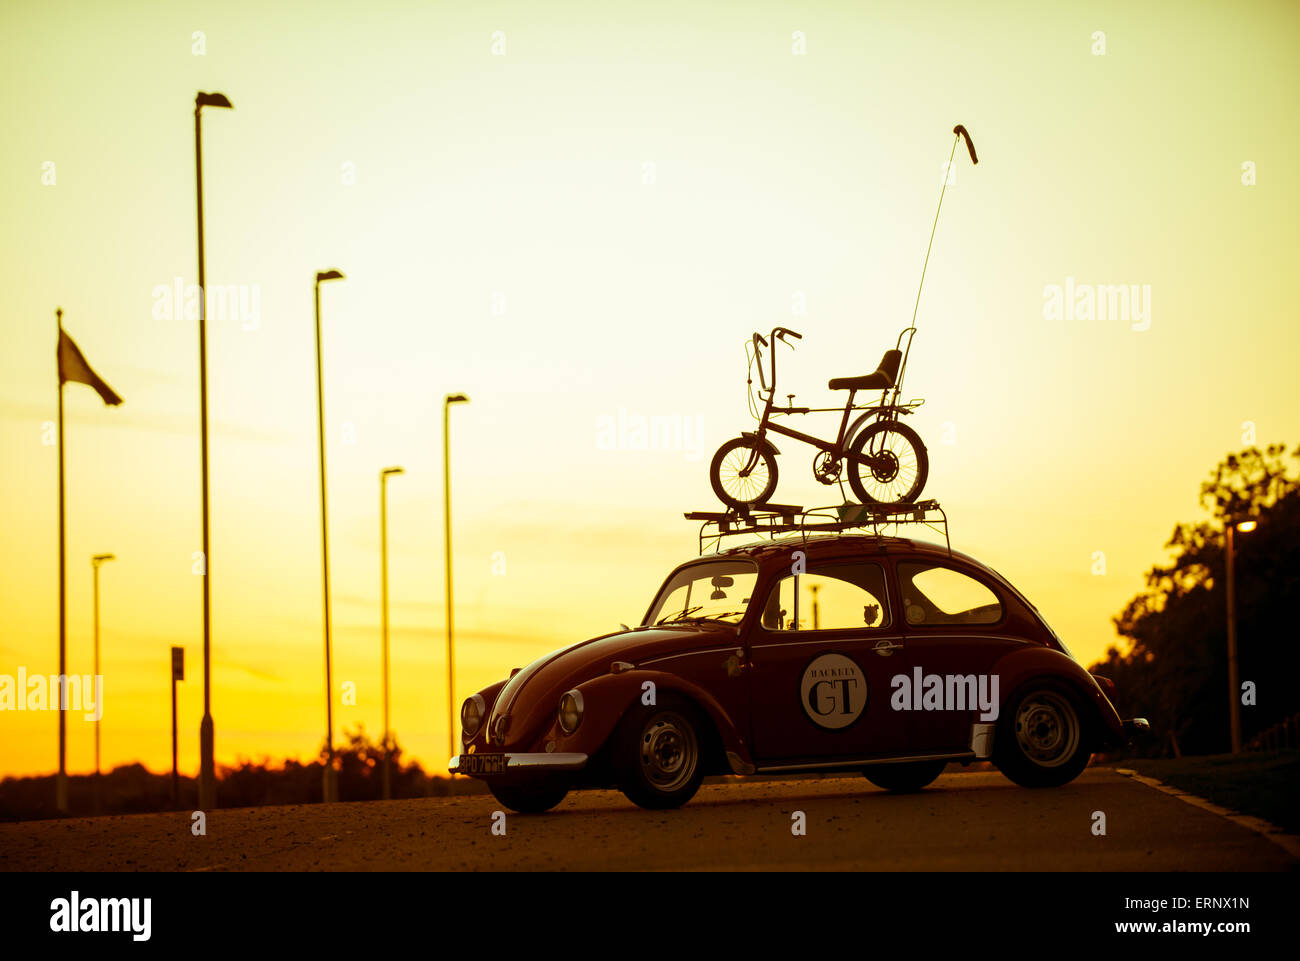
(823, 641)
(521, 762)
(861, 762)
(729, 649)
(913, 633)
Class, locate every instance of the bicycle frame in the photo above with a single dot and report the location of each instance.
(887, 409)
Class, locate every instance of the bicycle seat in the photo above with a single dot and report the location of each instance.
(882, 378)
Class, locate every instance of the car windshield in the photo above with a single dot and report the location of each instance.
(715, 591)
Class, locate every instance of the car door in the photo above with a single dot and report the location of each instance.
(956, 625)
(822, 653)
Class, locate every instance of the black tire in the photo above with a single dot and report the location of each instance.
(904, 778)
(904, 469)
(1042, 737)
(659, 753)
(734, 490)
(529, 798)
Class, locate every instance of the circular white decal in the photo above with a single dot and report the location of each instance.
(833, 691)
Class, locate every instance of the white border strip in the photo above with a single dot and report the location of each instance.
(1287, 842)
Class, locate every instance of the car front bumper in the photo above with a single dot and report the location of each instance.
(515, 764)
(1137, 725)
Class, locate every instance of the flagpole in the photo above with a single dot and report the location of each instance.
(61, 783)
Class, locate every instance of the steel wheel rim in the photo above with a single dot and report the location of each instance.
(668, 752)
(1047, 729)
(746, 490)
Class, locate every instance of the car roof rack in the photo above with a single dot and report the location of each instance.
(771, 520)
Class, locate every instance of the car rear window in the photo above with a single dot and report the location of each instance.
(934, 595)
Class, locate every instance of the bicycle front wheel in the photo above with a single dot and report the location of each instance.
(896, 464)
(734, 486)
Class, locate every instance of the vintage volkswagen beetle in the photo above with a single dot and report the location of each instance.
(828, 653)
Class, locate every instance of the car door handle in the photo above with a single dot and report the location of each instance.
(885, 648)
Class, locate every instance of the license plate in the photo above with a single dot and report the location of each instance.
(483, 764)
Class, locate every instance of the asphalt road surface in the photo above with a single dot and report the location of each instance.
(964, 821)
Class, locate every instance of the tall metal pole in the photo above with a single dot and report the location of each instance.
(178, 674)
(61, 783)
(95, 592)
(328, 788)
(446, 526)
(207, 766)
(175, 777)
(383, 602)
(1234, 692)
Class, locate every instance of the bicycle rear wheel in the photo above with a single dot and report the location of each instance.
(897, 464)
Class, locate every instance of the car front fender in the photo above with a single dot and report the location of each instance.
(608, 697)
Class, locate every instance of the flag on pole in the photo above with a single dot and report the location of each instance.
(73, 366)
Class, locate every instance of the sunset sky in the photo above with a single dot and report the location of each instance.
(576, 214)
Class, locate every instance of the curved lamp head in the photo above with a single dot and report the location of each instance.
(322, 275)
(98, 559)
(387, 471)
(456, 399)
(1246, 526)
(212, 100)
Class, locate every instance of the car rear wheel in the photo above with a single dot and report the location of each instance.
(657, 754)
(904, 778)
(1041, 740)
(531, 798)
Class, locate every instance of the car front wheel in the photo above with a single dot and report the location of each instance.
(529, 799)
(658, 754)
(1041, 741)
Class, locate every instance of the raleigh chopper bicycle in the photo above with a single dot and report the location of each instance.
(884, 459)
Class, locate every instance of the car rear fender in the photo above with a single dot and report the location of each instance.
(1025, 665)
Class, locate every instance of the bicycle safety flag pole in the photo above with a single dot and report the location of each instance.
(959, 132)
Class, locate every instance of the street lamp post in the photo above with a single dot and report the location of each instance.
(383, 617)
(207, 769)
(329, 786)
(446, 523)
(95, 562)
(1234, 680)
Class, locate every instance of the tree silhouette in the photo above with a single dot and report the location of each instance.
(1175, 670)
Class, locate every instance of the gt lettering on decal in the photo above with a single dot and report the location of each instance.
(833, 691)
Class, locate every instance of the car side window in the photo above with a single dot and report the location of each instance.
(934, 595)
(829, 597)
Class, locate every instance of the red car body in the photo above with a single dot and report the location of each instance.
(768, 690)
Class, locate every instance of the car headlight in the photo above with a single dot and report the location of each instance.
(570, 711)
(471, 715)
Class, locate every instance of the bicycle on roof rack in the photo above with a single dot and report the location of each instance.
(884, 459)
